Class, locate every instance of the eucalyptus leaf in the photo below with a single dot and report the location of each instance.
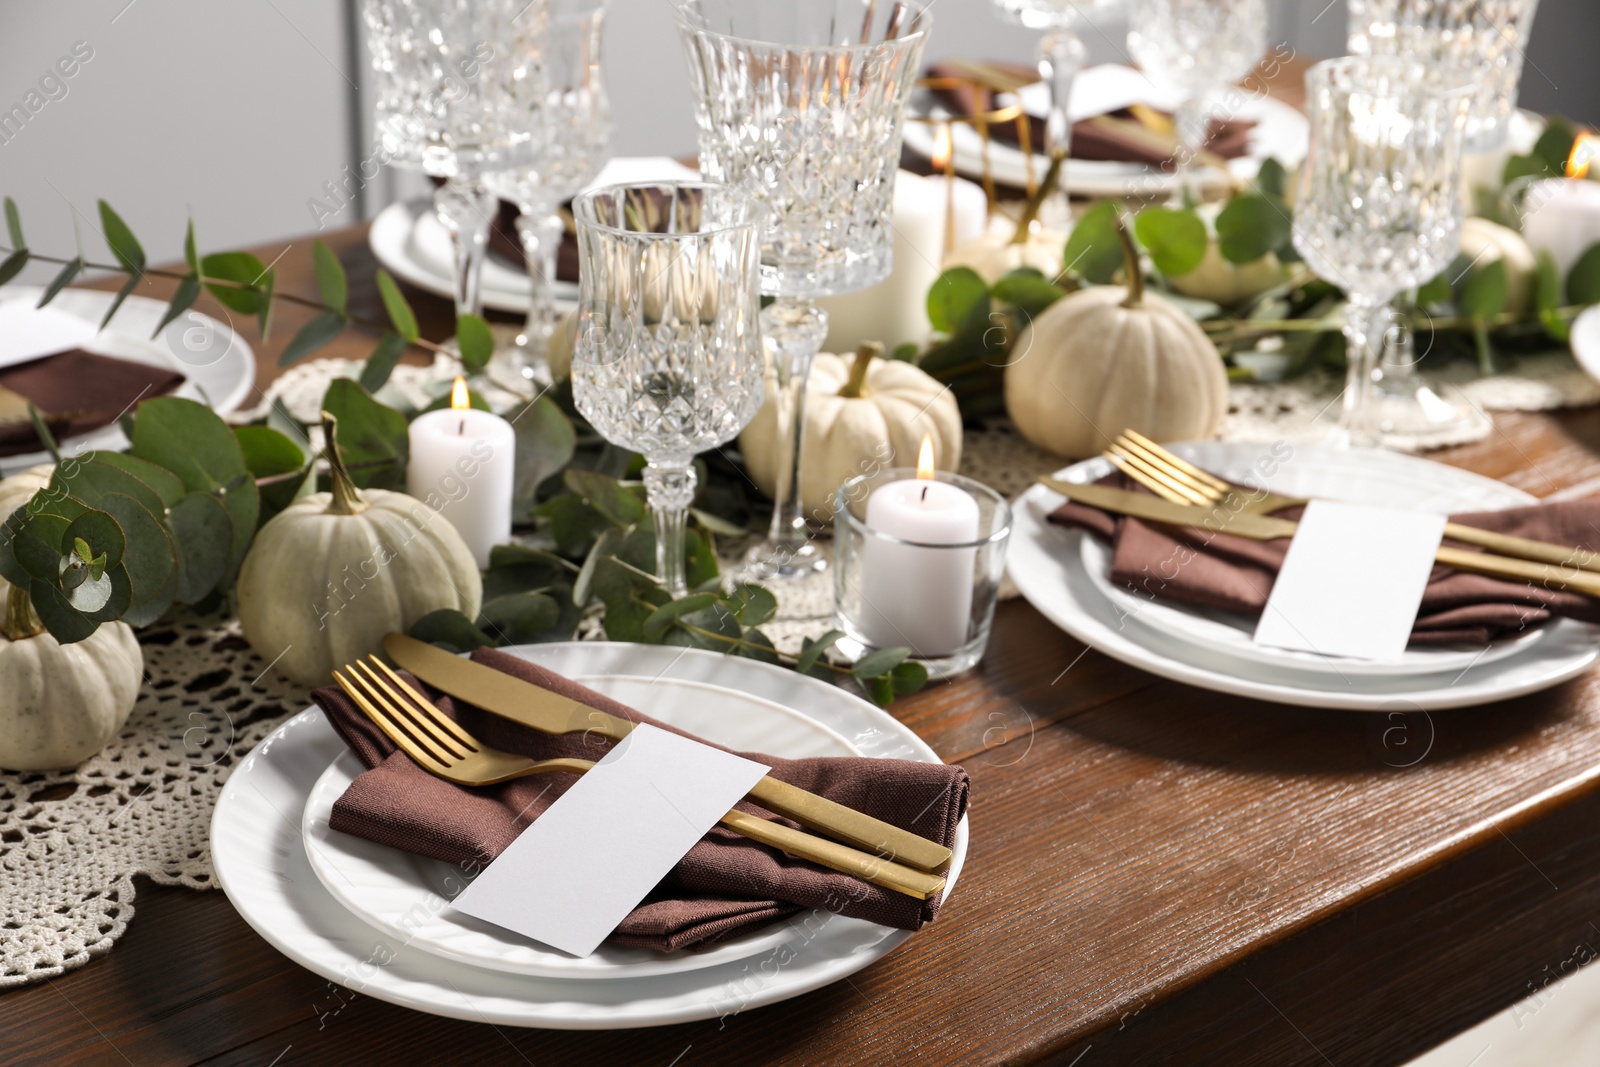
(127, 289)
(758, 646)
(713, 628)
(13, 264)
(331, 280)
(321, 330)
(95, 535)
(1175, 238)
(752, 604)
(1547, 297)
(375, 372)
(150, 557)
(269, 282)
(958, 297)
(521, 617)
(183, 299)
(190, 255)
(1583, 280)
(268, 452)
(1250, 226)
(14, 225)
(879, 661)
(608, 496)
(545, 442)
(910, 676)
(203, 534)
(1436, 291)
(1093, 250)
(1028, 290)
(372, 436)
(659, 620)
(1272, 179)
(450, 629)
(66, 623)
(240, 267)
(571, 522)
(811, 652)
(92, 478)
(399, 309)
(166, 485)
(41, 430)
(716, 523)
(603, 546)
(120, 239)
(1485, 290)
(700, 559)
(475, 341)
(62, 279)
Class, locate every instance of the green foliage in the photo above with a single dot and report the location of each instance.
(1093, 251)
(372, 436)
(475, 341)
(331, 280)
(1175, 239)
(959, 296)
(1252, 225)
(1583, 280)
(1549, 156)
(394, 302)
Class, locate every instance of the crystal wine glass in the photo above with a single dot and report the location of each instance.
(802, 105)
(453, 98)
(1061, 57)
(571, 136)
(1487, 37)
(1379, 208)
(1196, 47)
(668, 357)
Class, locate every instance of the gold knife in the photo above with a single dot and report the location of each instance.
(1220, 519)
(499, 693)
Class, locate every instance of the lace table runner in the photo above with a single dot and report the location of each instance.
(143, 805)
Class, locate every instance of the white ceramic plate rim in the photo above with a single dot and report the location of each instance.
(380, 886)
(222, 385)
(1046, 565)
(1447, 489)
(262, 868)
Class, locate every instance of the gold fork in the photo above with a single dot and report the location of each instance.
(1176, 479)
(440, 746)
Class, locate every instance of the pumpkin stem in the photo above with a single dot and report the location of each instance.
(21, 621)
(1130, 263)
(1030, 211)
(346, 497)
(857, 385)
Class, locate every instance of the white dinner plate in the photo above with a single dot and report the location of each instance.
(262, 866)
(1358, 476)
(408, 895)
(1281, 133)
(1047, 563)
(218, 365)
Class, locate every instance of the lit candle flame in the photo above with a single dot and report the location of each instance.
(925, 466)
(943, 149)
(460, 398)
(1584, 149)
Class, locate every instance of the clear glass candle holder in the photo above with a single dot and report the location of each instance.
(917, 562)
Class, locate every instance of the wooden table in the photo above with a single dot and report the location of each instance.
(1157, 873)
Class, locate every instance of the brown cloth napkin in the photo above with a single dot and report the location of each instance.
(1228, 138)
(1235, 574)
(725, 886)
(93, 390)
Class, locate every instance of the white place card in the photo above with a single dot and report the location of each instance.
(27, 332)
(1352, 581)
(594, 854)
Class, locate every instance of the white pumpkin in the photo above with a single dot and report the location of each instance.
(1103, 360)
(60, 704)
(18, 489)
(1483, 242)
(1004, 246)
(329, 576)
(859, 417)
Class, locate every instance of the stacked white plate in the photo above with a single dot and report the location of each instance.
(1065, 573)
(378, 920)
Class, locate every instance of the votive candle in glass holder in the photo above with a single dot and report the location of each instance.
(918, 557)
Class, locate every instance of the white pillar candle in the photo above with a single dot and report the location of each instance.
(966, 206)
(463, 462)
(913, 594)
(1562, 216)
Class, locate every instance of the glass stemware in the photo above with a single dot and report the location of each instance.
(1197, 47)
(668, 357)
(1379, 209)
(571, 137)
(1487, 37)
(1061, 57)
(802, 105)
(453, 99)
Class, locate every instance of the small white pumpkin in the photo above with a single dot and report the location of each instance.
(859, 417)
(329, 576)
(1103, 360)
(18, 489)
(1005, 247)
(60, 704)
(1483, 242)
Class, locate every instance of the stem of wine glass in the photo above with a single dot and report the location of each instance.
(670, 486)
(540, 230)
(1061, 56)
(1192, 122)
(466, 207)
(795, 328)
(1365, 318)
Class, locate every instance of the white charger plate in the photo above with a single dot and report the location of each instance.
(218, 365)
(1281, 132)
(1047, 564)
(408, 896)
(262, 866)
(1357, 476)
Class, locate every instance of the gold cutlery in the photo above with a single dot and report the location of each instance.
(439, 745)
(499, 693)
(1218, 518)
(1174, 478)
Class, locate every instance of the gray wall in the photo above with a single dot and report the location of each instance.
(239, 112)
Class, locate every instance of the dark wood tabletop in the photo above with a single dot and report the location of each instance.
(1158, 874)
